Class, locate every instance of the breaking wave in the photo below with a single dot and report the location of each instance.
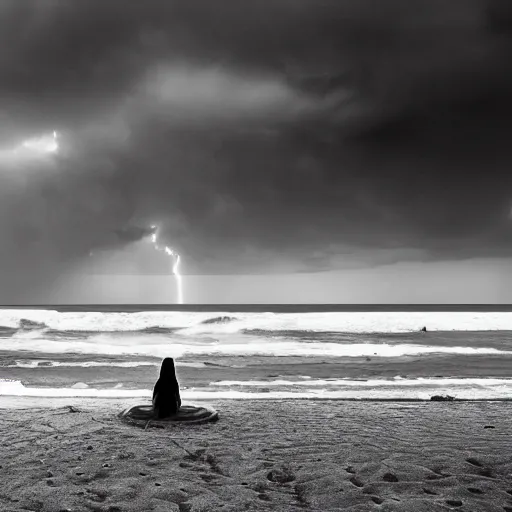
(168, 322)
(30, 325)
(93, 364)
(219, 320)
(158, 347)
(466, 389)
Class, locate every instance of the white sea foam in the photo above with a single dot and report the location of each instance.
(16, 388)
(468, 391)
(371, 383)
(144, 346)
(192, 322)
(92, 364)
(73, 364)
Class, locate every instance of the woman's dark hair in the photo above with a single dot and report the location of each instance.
(166, 394)
(168, 371)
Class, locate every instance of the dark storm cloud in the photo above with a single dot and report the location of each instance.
(134, 233)
(259, 135)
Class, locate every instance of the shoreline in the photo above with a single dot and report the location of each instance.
(40, 403)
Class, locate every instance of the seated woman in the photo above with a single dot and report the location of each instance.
(166, 395)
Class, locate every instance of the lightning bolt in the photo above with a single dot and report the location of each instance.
(176, 264)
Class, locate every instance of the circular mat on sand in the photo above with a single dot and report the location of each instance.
(140, 415)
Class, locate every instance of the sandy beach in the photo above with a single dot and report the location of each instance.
(313, 455)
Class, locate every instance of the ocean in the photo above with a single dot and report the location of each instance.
(252, 352)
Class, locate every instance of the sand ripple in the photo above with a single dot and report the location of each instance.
(303, 455)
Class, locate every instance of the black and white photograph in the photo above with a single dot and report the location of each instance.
(255, 255)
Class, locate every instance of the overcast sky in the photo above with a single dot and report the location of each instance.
(288, 150)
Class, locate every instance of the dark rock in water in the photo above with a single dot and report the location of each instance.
(219, 320)
(44, 363)
(423, 329)
(441, 398)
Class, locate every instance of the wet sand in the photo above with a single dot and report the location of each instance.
(312, 455)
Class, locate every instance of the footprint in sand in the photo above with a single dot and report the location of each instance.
(474, 462)
(355, 481)
(435, 477)
(429, 491)
(474, 490)
(350, 469)
(377, 500)
(281, 475)
(437, 474)
(454, 503)
(208, 478)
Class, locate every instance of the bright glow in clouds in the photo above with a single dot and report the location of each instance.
(175, 267)
(44, 144)
(35, 147)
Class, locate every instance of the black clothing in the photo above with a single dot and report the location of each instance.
(166, 394)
